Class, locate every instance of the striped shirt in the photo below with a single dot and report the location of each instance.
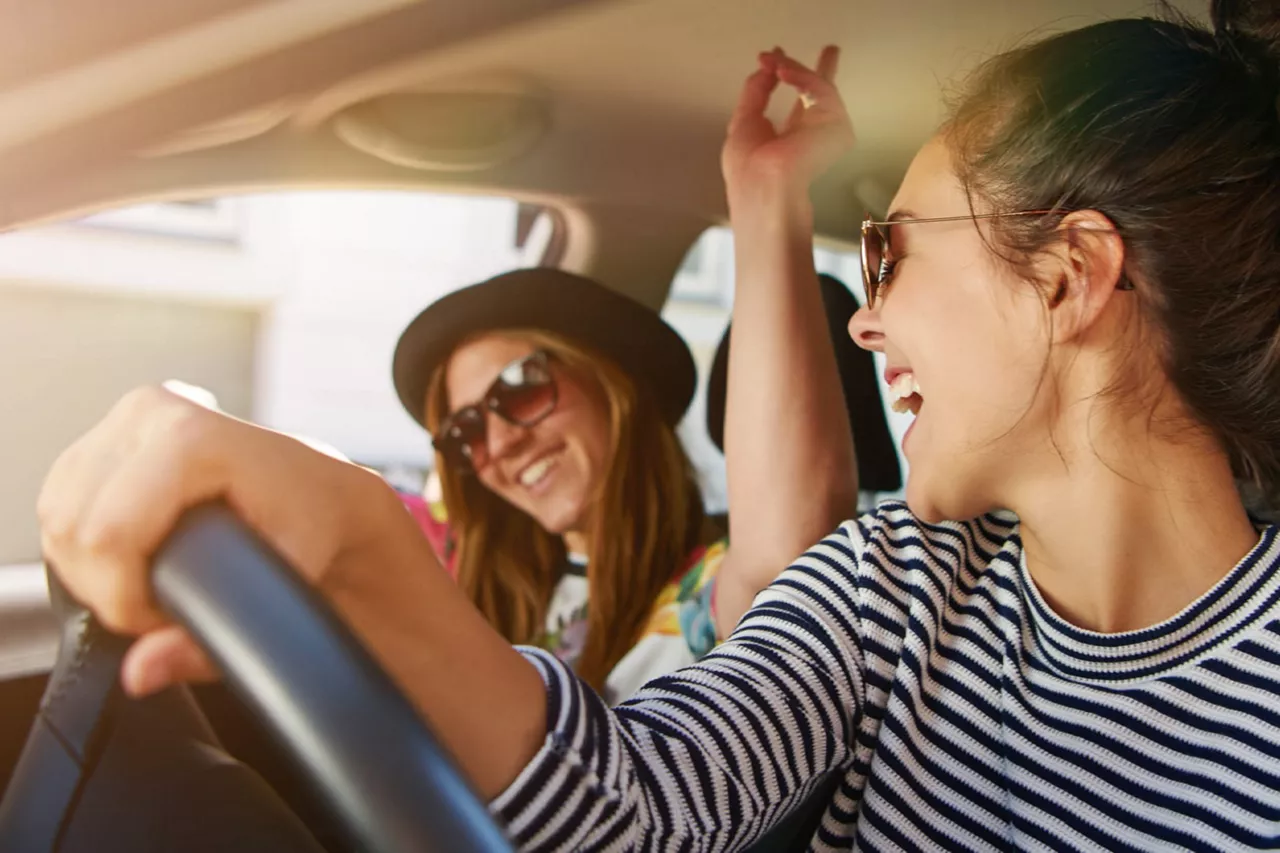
(920, 664)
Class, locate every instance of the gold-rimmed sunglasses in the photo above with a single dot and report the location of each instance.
(876, 266)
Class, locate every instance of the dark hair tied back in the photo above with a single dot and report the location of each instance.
(1248, 32)
(1171, 130)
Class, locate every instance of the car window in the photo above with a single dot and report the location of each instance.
(282, 305)
(699, 307)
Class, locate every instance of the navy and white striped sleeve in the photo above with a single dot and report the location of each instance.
(710, 756)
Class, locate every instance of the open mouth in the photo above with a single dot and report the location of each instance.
(536, 472)
(904, 393)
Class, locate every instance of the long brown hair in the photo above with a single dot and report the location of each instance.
(648, 517)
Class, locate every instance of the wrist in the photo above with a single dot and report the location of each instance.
(373, 521)
(769, 204)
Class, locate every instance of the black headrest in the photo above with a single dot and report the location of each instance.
(878, 469)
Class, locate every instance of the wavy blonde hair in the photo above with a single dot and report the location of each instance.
(648, 517)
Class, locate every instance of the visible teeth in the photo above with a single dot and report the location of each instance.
(902, 384)
(903, 387)
(534, 472)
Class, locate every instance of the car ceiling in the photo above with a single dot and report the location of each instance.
(105, 104)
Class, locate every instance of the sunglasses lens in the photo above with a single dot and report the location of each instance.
(462, 440)
(872, 262)
(525, 393)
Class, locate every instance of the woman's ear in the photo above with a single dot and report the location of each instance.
(1088, 265)
(1059, 293)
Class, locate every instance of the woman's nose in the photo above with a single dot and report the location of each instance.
(503, 436)
(865, 329)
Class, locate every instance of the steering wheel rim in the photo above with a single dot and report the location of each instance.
(345, 722)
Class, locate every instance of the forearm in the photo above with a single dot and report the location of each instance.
(792, 475)
(484, 701)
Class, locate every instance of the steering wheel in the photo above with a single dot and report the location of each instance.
(301, 671)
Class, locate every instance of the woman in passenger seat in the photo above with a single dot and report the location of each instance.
(572, 517)
(574, 520)
(1066, 637)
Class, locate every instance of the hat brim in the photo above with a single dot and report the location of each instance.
(577, 308)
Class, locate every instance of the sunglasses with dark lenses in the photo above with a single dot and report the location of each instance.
(875, 263)
(523, 394)
(877, 269)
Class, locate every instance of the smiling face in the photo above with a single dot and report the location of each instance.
(959, 325)
(552, 470)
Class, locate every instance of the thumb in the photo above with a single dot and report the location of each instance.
(162, 658)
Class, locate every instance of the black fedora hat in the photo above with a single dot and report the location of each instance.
(582, 310)
(878, 469)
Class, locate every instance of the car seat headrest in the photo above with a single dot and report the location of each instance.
(878, 469)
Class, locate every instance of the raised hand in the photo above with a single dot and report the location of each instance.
(816, 133)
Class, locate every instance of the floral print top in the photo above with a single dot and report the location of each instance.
(681, 627)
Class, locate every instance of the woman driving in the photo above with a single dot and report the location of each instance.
(1064, 638)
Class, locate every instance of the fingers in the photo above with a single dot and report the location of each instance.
(109, 501)
(161, 659)
(820, 83)
(828, 65)
(756, 92)
(776, 66)
(120, 539)
(75, 547)
(72, 483)
(814, 137)
(166, 475)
